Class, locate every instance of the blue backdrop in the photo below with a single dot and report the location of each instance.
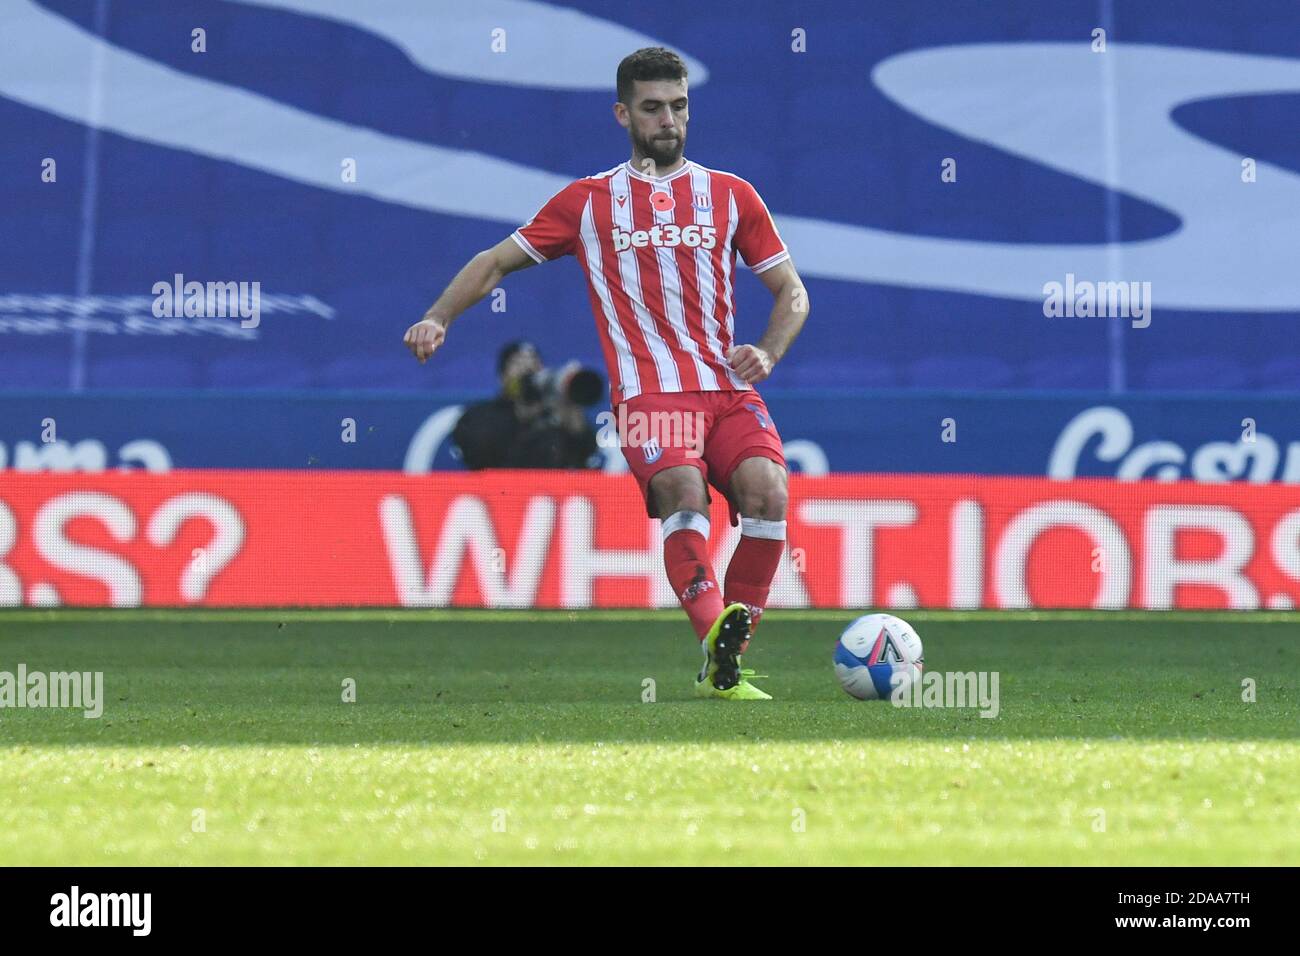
(230, 163)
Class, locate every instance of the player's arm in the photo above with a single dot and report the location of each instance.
(790, 310)
(479, 276)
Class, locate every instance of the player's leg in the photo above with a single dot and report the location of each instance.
(679, 498)
(758, 492)
(747, 462)
(671, 475)
(671, 472)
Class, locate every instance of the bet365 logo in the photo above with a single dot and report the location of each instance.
(666, 234)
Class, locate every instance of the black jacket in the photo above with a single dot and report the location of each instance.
(490, 435)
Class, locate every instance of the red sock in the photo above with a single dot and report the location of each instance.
(686, 559)
(752, 567)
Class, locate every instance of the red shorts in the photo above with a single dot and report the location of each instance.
(711, 431)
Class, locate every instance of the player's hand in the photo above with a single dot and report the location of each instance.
(424, 337)
(751, 363)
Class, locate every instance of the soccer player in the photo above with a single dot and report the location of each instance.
(657, 237)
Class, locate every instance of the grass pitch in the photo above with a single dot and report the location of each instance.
(523, 738)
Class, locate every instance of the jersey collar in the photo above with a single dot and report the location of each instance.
(633, 171)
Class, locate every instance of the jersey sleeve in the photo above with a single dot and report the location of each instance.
(757, 240)
(553, 232)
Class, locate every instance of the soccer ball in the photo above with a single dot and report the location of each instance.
(877, 654)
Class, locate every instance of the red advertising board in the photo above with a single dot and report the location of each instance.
(563, 539)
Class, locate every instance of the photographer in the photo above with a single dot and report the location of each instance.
(536, 421)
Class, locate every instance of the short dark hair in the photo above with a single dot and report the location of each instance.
(510, 350)
(648, 63)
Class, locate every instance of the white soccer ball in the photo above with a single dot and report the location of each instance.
(876, 655)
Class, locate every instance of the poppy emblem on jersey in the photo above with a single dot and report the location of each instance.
(652, 451)
(702, 202)
(662, 201)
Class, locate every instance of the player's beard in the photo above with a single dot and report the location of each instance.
(663, 152)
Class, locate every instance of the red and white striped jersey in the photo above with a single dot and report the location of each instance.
(659, 254)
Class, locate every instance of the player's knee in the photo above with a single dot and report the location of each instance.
(761, 491)
(758, 489)
(687, 501)
(679, 489)
(768, 502)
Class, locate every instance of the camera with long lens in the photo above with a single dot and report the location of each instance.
(571, 382)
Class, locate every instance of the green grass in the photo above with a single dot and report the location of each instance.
(523, 738)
